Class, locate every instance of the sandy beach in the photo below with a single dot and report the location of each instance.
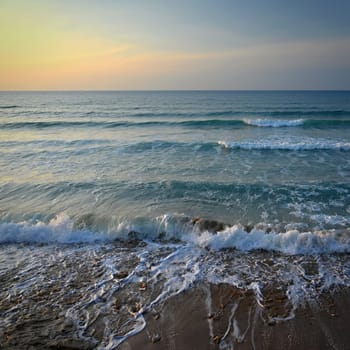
(224, 317)
(130, 296)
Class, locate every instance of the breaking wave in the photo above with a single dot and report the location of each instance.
(274, 123)
(200, 232)
(289, 144)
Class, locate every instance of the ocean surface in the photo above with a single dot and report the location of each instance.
(104, 192)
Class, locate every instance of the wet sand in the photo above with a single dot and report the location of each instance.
(77, 304)
(222, 316)
(207, 316)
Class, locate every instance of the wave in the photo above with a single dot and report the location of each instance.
(291, 144)
(265, 122)
(202, 123)
(199, 232)
(291, 242)
(117, 124)
(275, 123)
(301, 112)
(50, 124)
(238, 112)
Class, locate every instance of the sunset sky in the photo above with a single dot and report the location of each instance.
(183, 44)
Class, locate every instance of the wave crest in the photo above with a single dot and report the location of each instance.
(201, 233)
(291, 144)
(291, 242)
(274, 123)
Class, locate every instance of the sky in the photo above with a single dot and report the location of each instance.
(174, 45)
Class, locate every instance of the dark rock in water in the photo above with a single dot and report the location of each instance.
(208, 225)
(134, 235)
(156, 338)
(161, 235)
(248, 228)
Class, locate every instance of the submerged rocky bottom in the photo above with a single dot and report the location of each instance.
(170, 295)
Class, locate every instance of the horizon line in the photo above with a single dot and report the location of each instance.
(178, 90)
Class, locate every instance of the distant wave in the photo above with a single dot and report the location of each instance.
(267, 144)
(316, 123)
(194, 123)
(291, 144)
(266, 113)
(263, 122)
(299, 113)
(50, 124)
(117, 124)
(275, 123)
(32, 124)
(163, 145)
(62, 229)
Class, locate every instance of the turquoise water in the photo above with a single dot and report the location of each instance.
(113, 202)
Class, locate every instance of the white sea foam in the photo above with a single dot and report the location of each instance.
(290, 144)
(61, 230)
(291, 242)
(323, 219)
(274, 123)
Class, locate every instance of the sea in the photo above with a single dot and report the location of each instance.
(112, 202)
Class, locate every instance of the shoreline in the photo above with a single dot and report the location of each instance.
(203, 316)
(172, 297)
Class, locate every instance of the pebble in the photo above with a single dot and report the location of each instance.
(216, 339)
(142, 286)
(156, 338)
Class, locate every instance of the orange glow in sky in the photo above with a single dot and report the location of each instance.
(62, 45)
